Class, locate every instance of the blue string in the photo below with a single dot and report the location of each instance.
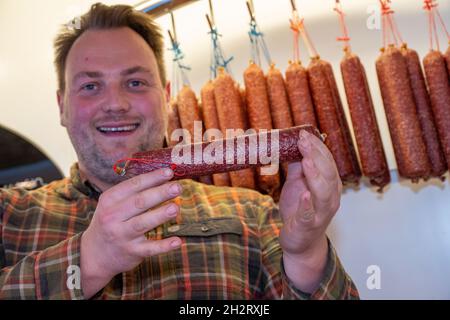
(257, 42)
(217, 56)
(178, 61)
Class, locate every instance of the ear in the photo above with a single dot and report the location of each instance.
(168, 91)
(60, 99)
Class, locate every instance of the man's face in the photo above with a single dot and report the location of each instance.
(113, 104)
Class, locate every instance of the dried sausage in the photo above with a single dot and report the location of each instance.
(155, 159)
(279, 103)
(438, 84)
(173, 122)
(211, 121)
(299, 95)
(229, 105)
(425, 113)
(401, 114)
(258, 111)
(189, 112)
(331, 119)
(365, 127)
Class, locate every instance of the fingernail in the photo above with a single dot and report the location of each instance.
(168, 172)
(175, 243)
(175, 189)
(172, 210)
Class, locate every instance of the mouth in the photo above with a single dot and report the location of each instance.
(118, 130)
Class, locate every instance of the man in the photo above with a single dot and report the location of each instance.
(95, 236)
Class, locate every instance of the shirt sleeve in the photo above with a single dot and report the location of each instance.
(335, 283)
(53, 273)
(274, 284)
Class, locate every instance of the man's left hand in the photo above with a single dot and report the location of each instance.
(309, 200)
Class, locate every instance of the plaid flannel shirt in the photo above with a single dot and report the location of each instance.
(229, 250)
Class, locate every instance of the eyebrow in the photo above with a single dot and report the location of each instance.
(98, 74)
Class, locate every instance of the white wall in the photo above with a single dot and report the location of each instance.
(405, 231)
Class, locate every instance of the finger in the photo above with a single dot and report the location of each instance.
(139, 183)
(295, 171)
(322, 190)
(312, 149)
(147, 199)
(319, 144)
(151, 248)
(138, 225)
(295, 181)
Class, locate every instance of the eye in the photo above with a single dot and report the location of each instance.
(136, 84)
(89, 87)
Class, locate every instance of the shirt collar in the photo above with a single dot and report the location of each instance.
(80, 182)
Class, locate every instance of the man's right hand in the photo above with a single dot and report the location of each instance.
(115, 240)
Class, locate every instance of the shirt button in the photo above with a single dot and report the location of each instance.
(204, 228)
(173, 228)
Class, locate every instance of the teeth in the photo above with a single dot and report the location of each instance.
(118, 129)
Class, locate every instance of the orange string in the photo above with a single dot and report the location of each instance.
(298, 26)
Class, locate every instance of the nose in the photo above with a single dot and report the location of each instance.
(116, 100)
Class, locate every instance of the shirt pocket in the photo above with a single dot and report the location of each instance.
(205, 228)
(212, 262)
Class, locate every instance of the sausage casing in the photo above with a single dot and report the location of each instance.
(299, 95)
(365, 127)
(439, 86)
(401, 114)
(331, 119)
(189, 112)
(173, 122)
(211, 121)
(279, 103)
(229, 111)
(425, 113)
(258, 111)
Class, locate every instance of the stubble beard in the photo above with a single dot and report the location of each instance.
(100, 164)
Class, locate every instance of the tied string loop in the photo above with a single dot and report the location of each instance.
(218, 59)
(389, 26)
(121, 166)
(298, 26)
(257, 43)
(431, 7)
(345, 38)
(178, 61)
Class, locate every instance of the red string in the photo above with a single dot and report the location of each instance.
(390, 28)
(122, 170)
(431, 7)
(435, 10)
(436, 37)
(345, 38)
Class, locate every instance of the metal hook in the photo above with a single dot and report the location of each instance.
(294, 8)
(211, 25)
(174, 30)
(211, 12)
(250, 10)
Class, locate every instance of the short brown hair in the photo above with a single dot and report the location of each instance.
(100, 17)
